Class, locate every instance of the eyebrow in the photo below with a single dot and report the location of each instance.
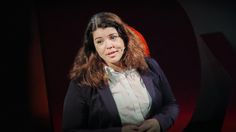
(107, 35)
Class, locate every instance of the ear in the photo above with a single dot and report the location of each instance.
(140, 36)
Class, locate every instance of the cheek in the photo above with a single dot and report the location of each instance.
(122, 44)
(100, 51)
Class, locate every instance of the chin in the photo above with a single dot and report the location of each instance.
(114, 60)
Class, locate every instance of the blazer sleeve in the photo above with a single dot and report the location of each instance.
(76, 111)
(170, 109)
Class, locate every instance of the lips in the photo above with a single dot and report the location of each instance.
(112, 53)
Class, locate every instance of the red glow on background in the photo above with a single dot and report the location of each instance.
(144, 42)
(37, 86)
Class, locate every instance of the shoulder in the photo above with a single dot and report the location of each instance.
(152, 62)
(77, 90)
(154, 65)
(149, 59)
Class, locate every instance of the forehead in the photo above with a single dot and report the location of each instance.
(102, 32)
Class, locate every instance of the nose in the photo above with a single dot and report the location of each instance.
(109, 44)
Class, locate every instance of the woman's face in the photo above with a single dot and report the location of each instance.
(109, 45)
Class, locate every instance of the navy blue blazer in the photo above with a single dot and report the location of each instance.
(89, 109)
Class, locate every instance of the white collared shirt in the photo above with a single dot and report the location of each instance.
(130, 94)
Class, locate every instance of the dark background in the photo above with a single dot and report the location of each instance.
(193, 41)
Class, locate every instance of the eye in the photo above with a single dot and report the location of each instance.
(113, 37)
(99, 42)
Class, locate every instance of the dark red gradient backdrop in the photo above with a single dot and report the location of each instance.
(168, 33)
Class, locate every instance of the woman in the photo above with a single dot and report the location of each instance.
(114, 87)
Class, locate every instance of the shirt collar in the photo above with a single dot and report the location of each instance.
(112, 73)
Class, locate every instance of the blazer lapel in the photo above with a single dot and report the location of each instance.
(148, 81)
(110, 104)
